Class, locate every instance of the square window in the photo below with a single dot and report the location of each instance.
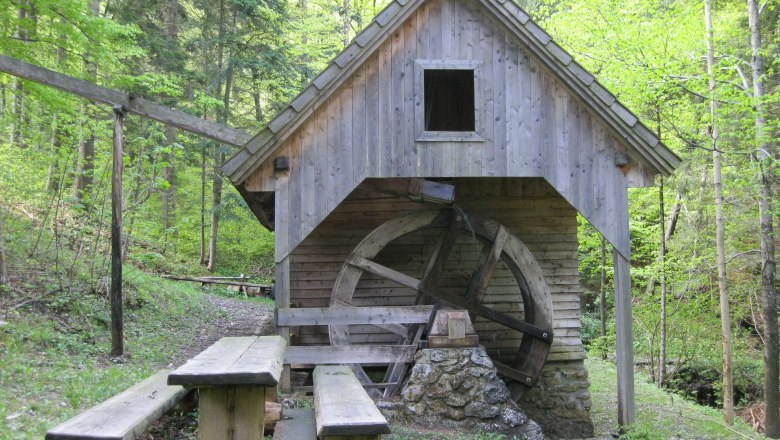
(449, 100)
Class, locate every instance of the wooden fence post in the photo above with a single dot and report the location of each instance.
(117, 344)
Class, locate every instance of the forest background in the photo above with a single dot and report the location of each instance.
(241, 61)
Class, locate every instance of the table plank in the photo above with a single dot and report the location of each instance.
(246, 360)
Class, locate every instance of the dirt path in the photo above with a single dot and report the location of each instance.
(237, 317)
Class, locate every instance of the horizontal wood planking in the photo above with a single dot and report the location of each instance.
(349, 354)
(354, 315)
(316, 262)
(538, 128)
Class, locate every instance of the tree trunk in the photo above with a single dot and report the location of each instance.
(3, 265)
(53, 171)
(86, 160)
(728, 386)
(769, 293)
(168, 195)
(662, 257)
(219, 157)
(203, 205)
(346, 26)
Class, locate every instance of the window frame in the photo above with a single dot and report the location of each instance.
(422, 135)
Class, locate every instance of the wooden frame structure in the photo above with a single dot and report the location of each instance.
(551, 142)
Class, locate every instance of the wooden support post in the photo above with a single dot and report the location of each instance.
(625, 345)
(117, 344)
(231, 413)
(282, 291)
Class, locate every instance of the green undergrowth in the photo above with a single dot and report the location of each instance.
(53, 357)
(661, 415)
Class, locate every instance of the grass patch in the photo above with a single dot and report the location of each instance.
(54, 365)
(660, 414)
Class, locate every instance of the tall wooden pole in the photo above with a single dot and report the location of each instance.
(117, 344)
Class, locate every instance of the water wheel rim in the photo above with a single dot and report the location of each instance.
(535, 294)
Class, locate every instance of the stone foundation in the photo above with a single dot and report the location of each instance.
(457, 388)
(560, 401)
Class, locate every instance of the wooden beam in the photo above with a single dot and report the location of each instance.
(353, 315)
(130, 103)
(117, 339)
(625, 341)
(486, 265)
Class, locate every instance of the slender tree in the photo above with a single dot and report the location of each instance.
(765, 149)
(3, 265)
(720, 235)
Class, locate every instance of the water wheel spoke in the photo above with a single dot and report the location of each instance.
(441, 253)
(486, 265)
(384, 271)
(499, 317)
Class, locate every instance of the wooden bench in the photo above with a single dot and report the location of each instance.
(231, 377)
(124, 416)
(342, 408)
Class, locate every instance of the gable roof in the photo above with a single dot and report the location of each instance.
(639, 139)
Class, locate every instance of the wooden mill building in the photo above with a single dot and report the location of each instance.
(442, 158)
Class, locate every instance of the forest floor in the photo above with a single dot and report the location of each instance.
(661, 415)
(54, 368)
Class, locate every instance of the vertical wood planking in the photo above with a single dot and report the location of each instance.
(409, 147)
(296, 227)
(511, 111)
(346, 152)
(424, 150)
(307, 177)
(396, 142)
(385, 111)
(373, 122)
(359, 127)
(282, 216)
(320, 164)
(333, 169)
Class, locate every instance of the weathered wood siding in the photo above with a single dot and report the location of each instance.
(529, 208)
(530, 125)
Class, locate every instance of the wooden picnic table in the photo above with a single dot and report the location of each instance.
(231, 377)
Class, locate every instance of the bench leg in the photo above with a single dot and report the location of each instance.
(231, 413)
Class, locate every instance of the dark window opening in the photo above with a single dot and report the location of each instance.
(449, 100)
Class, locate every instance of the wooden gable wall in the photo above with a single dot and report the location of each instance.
(531, 126)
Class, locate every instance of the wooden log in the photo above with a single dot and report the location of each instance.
(130, 103)
(209, 280)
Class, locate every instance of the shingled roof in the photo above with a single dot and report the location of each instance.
(639, 139)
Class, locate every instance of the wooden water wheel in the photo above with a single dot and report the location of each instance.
(497, 246)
